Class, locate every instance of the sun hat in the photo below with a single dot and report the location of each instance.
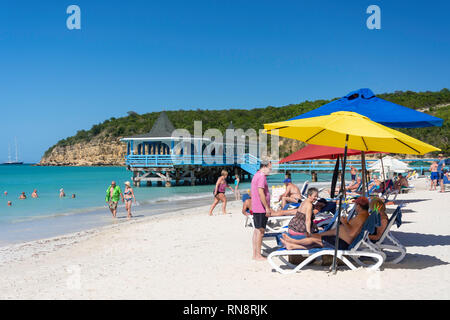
(127, 183)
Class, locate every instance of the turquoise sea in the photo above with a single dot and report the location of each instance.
(50, 215)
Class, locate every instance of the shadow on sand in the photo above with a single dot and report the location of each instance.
(413, 239)
(406, 201)
(416, 261)
(404, 210)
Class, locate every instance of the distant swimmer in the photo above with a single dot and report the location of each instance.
(22, 196)
(61, 193)
(9, 203)
(34, 194)
(73, 195)
(5, 193)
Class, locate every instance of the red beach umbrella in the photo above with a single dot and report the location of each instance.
(312, 151)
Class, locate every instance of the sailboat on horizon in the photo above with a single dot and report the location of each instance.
(9, 156)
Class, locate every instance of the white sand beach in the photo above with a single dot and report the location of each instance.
(189, 255)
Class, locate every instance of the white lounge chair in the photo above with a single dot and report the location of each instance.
(355, 251)
(304, 189)
(388, 241)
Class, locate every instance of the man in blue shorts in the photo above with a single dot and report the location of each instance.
(434, 175)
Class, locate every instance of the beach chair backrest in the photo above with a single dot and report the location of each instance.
(395, 217)
(369, 226)
(333, 222)
(372, 189)
(304, 188)
(291, 204)
(389, 185)
(359, 188)
(351, 211)
(398, 217)
(330, 224)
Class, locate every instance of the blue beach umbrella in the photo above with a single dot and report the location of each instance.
(364, 102)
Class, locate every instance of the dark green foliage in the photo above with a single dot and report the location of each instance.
(432, 102)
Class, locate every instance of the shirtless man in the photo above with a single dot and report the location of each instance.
(351, 187)
(34, 194)
(292, 193)
(347, 232)
(434, 175)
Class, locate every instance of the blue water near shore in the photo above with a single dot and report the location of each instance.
(50, 215)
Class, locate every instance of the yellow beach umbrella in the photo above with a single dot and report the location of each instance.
(363, 133)
(349, 130)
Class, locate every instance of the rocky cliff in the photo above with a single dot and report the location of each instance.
(94, 153)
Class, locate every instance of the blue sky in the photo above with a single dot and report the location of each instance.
(167, 55)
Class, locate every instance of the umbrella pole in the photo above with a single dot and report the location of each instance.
(335, 178)
(343, 177)
(364, 176)
(382, 169)
(340, 206)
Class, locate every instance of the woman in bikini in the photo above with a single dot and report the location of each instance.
(128, 196)
(219, 192)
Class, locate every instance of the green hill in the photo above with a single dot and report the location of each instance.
(436, 103)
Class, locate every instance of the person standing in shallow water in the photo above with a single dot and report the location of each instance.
(113, 195)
